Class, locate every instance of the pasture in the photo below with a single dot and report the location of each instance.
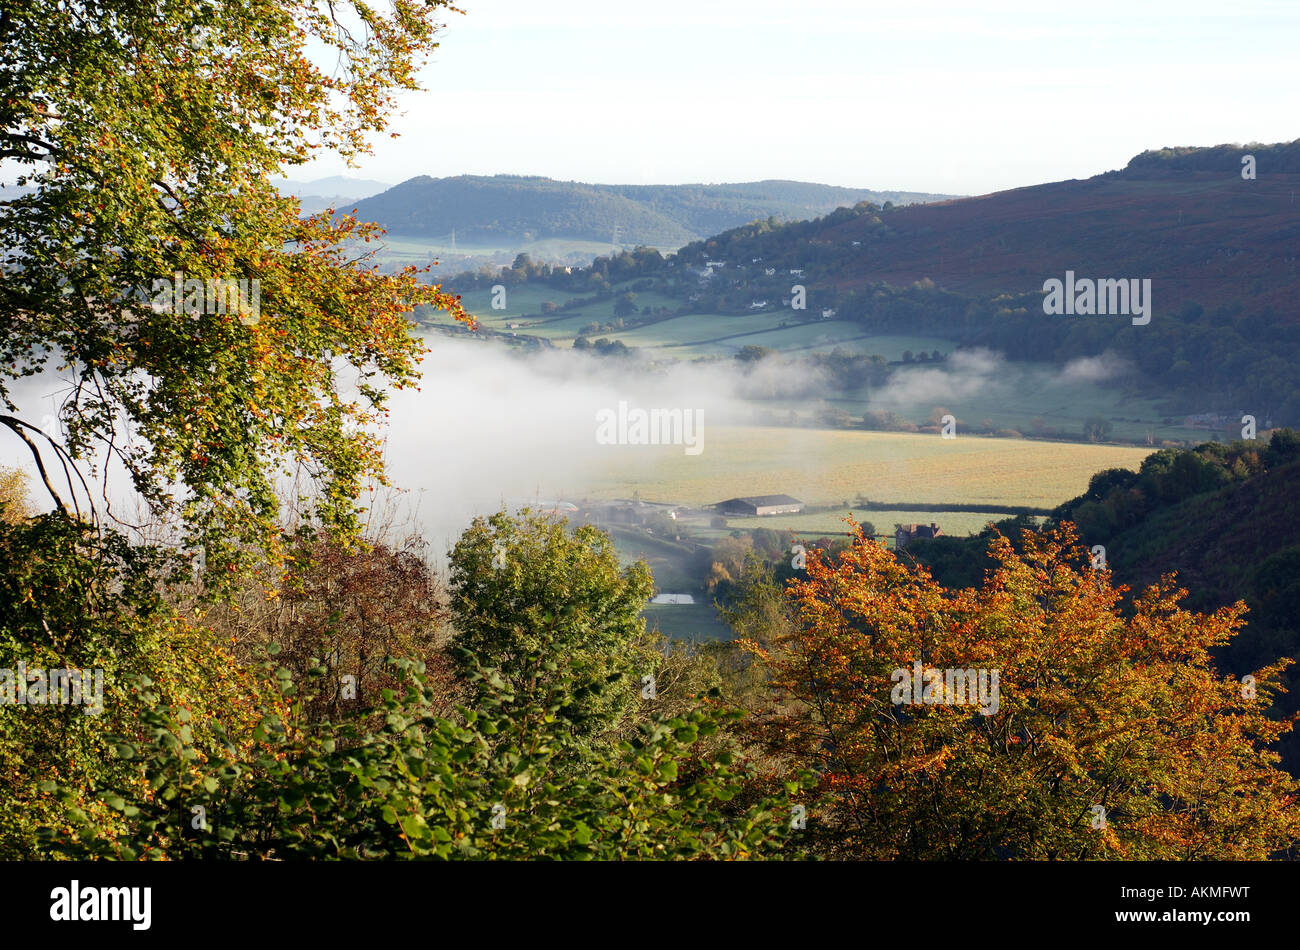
(832, 467)
(831, 523)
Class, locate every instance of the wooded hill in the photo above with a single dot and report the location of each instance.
(515, 209)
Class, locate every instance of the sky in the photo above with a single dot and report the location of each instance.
(951, 96)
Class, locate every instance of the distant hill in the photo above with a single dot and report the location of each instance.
(340, 186)
(1221, 253)
(1183, 217)
(335, 191)
(514, 210)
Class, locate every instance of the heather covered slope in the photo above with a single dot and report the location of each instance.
(1184, 218)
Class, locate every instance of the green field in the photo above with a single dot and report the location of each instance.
(408, 249)
(1028, 397)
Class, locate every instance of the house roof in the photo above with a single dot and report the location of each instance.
(763, 501)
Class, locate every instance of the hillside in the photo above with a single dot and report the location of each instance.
(514, 210)
(1183, 217)
(1223, 338)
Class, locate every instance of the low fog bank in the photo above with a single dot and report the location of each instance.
(983, 374)
(492, 426)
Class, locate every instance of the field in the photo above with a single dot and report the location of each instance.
(406, 249)
(831, 523)
(832, 467)
(1023, 396)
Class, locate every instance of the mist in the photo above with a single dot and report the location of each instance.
(491, 426)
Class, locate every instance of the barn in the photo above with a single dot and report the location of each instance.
(758, 505)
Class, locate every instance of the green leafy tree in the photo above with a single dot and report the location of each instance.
(552, 610)
(408, 784)
(625, 304)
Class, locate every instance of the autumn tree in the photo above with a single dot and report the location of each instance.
(208, 340)
(350, 609)
(211, 339)
(14, 504)
(1110, 733)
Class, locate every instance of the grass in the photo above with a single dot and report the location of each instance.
(1025, 392)
(414, 249)
(832, 467)
(831, 523)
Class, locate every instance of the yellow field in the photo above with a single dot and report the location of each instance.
(823, 467)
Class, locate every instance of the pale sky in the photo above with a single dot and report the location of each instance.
(950, 96)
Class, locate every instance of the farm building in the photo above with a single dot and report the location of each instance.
(908, 533)
(761, 505)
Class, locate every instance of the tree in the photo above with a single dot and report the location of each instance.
(153, 261)
(155, 257)
(14, 503)
(77, 605)
(350, 609)
(552, 609)
(625, 304)
(409, 785)
(1096, 428)
(752, 353)
(1107, 735)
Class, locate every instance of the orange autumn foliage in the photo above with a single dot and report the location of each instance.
(1113, 735)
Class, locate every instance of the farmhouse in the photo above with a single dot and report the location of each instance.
(908, 533)
(761, 505)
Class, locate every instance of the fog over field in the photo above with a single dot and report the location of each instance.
(492, 426)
